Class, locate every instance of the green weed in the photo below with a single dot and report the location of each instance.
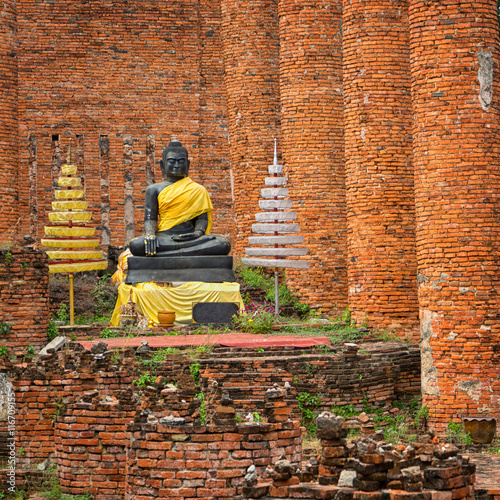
(5, 328)
(255, 277)
(107, 333)
(52, 330)
(346, 315)
(144, 379)
(194, 369)
(104, 294)
(30, 352)
(203, 407)
(257, 418)
(8, 259)
(455, 433)
(308, 407)
(345, 411)
(62, 314)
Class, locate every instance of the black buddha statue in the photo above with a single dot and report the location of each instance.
(177, 221)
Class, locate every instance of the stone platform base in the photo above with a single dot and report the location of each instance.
(209, 269)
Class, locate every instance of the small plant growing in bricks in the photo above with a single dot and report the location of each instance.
(345, 411)
(455, 433)
(62, 314)
(52, 331)
(156, 358)
(30, 352)
(8, 259)
(144, 379)
(308, 407)
(4, 351)
(60, 407)
(257, 418)
(203, 407)
(346, 315)
(5, 328)
(194, 369)
(107, 333)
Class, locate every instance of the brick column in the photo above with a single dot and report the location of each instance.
(454, 65)
(250, 41)
(9, 121)
(311, 105)
(379, 172)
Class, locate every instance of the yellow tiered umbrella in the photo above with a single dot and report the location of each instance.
(72, 243)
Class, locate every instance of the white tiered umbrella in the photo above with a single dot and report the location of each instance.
(278, 227)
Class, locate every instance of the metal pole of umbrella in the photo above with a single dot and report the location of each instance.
(276, 293)
(71, 301)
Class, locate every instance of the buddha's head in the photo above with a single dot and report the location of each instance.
(175, 163)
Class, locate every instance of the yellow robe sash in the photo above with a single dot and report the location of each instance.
(182, 201)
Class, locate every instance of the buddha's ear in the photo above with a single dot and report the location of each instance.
(162, 166)
(188, 165)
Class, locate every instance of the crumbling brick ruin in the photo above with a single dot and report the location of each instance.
(115, 440)
(387, 117)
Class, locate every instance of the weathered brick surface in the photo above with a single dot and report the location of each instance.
(126, 71)
(379, 172)
(204, 462)
(119, 78)
(43, 387)
(424, 471)
(456, 138)
(91, 443)
(311, 121)
(24, 298)
(9, 122)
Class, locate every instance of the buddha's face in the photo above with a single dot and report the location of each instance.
(176, 164)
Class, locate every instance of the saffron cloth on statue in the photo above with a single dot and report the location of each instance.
(177, 213)
(177, 224)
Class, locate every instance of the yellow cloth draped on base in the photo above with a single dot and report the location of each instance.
(150, 298)
(182, 201)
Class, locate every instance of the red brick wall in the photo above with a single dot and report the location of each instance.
(24, 298)
(456, 150)
(91, 442)
(312, 119)
(204, 462)
(8, 119)
(126, 70)
(250, 42)
(381, 239)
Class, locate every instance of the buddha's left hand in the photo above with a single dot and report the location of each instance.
(188, 236)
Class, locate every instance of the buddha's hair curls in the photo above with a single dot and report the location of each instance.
(174, 145)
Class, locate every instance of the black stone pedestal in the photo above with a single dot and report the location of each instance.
(207, 268)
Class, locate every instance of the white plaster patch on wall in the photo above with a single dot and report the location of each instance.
(485, 77)
(452, 335)
(5, 388)
(429, 380)
(472, 388)
(363, 133)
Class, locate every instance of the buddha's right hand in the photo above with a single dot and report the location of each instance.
(150, 244)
